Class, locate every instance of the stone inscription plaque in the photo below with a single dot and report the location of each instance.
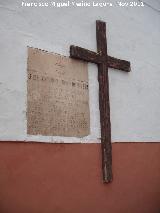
(57, 95)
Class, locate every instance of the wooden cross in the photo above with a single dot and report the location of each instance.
(103, 61)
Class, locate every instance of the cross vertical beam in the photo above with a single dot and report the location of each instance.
(104, 102)
(103, 61)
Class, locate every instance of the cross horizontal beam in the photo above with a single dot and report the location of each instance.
(84, 54)
(93, 57)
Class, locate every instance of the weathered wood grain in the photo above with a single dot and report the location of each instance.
(103, 61)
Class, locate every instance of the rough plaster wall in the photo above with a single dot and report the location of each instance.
(132, 33)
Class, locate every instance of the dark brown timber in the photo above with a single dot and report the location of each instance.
(90, 56)
(103, 61)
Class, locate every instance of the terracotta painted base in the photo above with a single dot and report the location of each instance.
(66, 178)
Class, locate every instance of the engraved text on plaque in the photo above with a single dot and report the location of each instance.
(57, 95)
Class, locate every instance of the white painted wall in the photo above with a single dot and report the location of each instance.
(133, 34)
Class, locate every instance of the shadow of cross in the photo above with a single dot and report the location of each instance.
(103, 61)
